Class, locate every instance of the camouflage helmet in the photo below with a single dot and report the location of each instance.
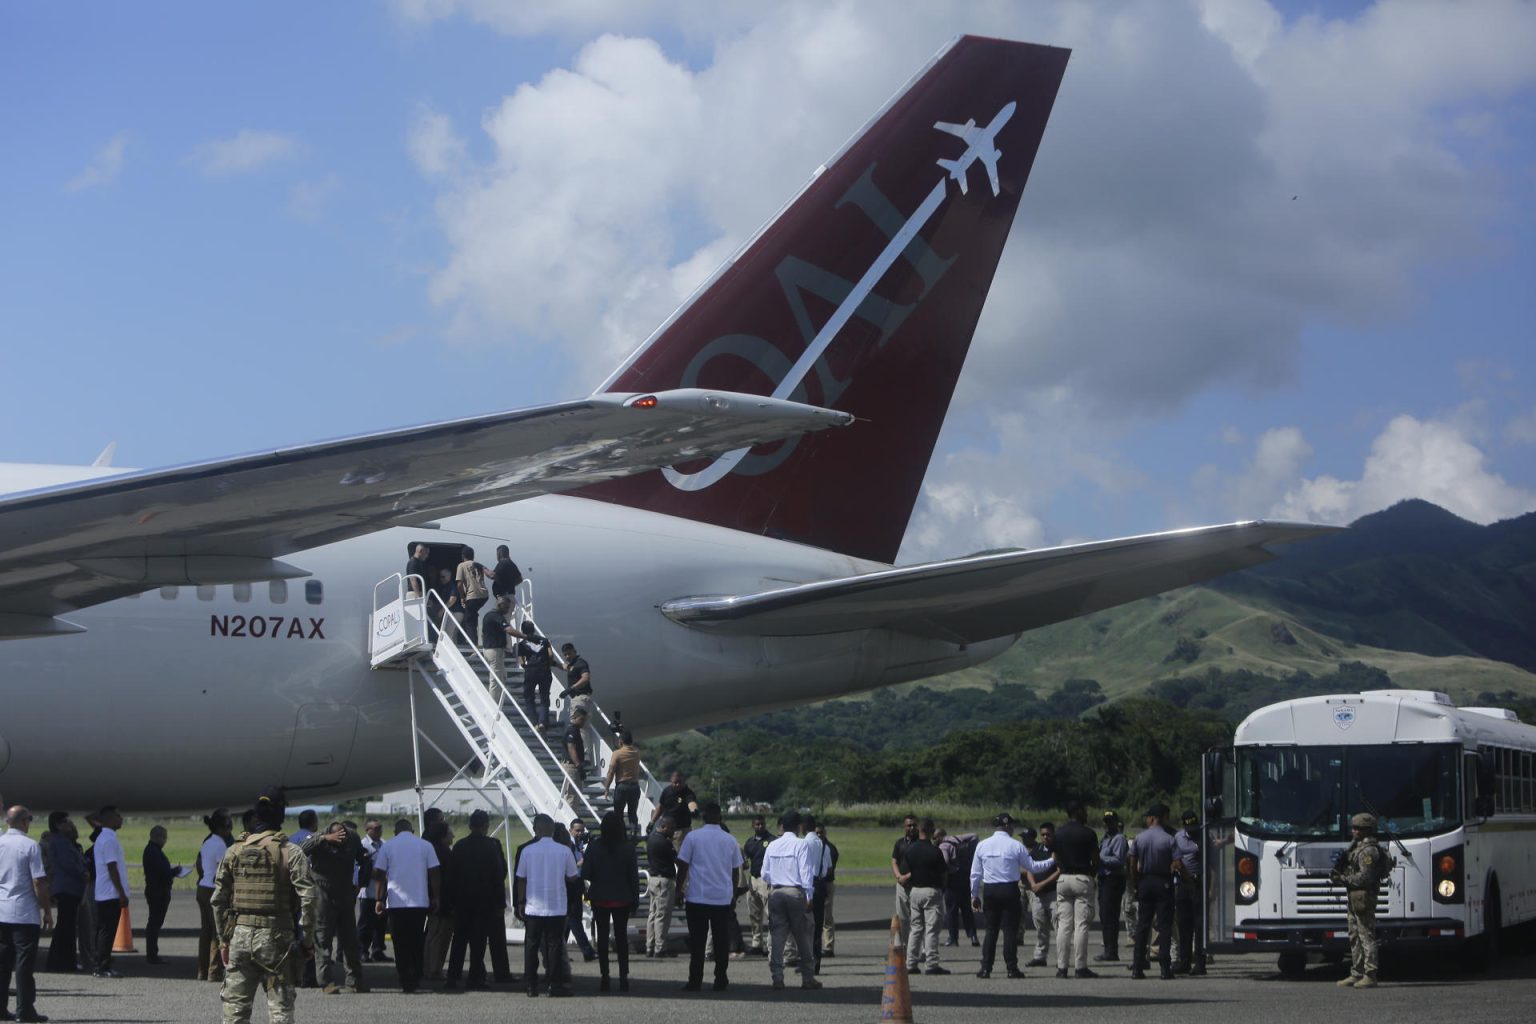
(1364, 822)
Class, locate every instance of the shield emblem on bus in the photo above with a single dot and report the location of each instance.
(1344, 717)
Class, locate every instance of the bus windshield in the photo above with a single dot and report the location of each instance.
(1310, 792)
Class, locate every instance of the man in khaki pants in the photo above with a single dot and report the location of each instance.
(1077, 850)
(754, 849)
(661, 890)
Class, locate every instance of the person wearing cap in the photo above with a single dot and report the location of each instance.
(1360, 871)
(791, 884)
(1152, 857)
(1114, 852)
(262, 886)
(1189, 896)
(1000, 863)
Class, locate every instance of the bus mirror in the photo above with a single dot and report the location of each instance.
(1483, 805)
(1213, 809)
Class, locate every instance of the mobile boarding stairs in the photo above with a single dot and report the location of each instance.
(510, 762)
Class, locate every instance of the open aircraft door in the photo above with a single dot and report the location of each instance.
(1218, 799)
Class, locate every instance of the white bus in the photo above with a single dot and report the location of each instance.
(1454, 790)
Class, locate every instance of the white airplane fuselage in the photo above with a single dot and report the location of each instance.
(186, 697)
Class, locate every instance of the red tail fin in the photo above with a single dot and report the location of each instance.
(863, 296)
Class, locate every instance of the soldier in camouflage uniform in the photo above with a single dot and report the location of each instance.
(1360, 872)
(262, 886)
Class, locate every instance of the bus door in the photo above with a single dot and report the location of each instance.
(1218, 799)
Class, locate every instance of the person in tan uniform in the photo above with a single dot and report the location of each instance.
(263, 885)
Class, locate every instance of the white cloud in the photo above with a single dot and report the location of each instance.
(435, 147)
(1158, 252)
(1522, 428)
(307, 199)
(247, 150)
(1412, 458)
(104, 166)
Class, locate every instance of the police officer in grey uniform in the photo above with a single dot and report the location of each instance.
(1114, 856)
(1152, 856)
(1189, 896)
(262, 886)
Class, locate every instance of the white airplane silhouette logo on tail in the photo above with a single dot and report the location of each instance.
(980, 144)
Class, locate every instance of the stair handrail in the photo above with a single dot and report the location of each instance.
(503, 696)
(393, 588)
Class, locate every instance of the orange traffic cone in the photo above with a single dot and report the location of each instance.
(896, 999)
(124, 941)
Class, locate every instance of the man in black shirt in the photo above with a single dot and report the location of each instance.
(159, 875)
(533, 654)
(494, 630)
(903, 904)
(661, 863)
(924, 870)
(678, 802)
(479, 906)
(757, 893)
(416, 566)
(1041, 895)
(1077, 860)
(506, 576)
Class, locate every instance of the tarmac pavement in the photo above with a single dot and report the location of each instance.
(1245, 987)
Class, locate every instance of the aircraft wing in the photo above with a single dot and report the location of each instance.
(968, 600)
(227, 521)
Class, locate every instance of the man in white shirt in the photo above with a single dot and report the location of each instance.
(709, 868)
(405, 879)
(791, 888)
(111, 887)
(819, 857)
(1001, 861)
(544, 870)
(24, 901)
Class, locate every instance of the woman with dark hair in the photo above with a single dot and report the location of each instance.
(209, 966)
(612, 873)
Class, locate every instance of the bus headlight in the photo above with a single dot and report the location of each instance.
(1448, 875)
(1246, 872)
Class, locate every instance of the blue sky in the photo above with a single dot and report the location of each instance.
(227, 228)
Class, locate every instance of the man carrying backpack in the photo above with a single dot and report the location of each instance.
(1360, 871)
(959, 851)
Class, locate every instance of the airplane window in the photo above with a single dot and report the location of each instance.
(169, 593)
(205, 593)
(277, 591)
(314, 590)
(242, 592)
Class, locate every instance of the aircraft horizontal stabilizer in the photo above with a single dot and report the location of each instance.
(967, 600)
(82, 543)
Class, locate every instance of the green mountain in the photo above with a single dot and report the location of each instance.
(1431, 600)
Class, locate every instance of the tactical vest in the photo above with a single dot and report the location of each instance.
(260, 868)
